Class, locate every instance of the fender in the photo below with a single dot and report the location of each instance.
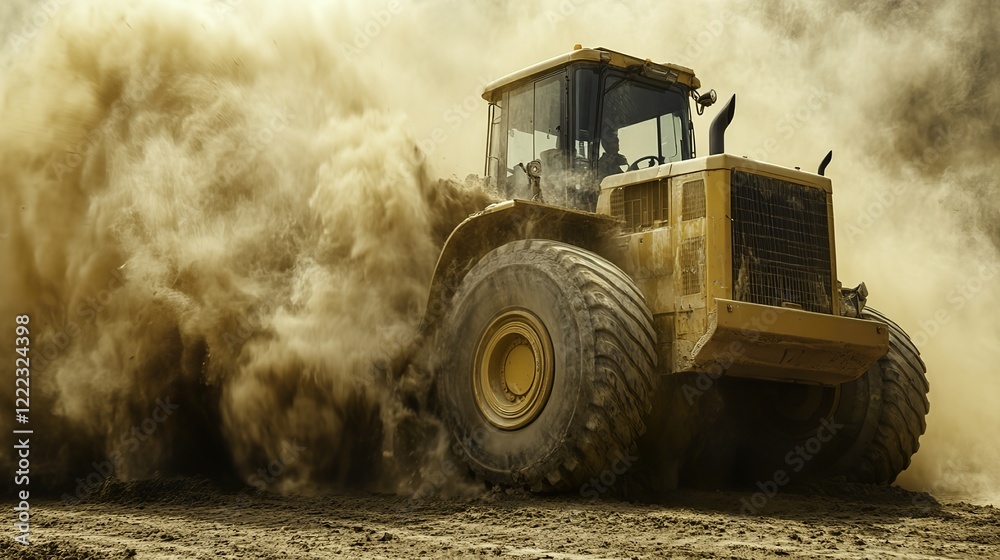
(502, 223)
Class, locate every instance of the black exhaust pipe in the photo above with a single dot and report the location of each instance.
(826, 161)
(717, 131)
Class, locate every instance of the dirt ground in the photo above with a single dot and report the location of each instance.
(195, 519)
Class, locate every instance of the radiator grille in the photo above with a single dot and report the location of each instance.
(781, 243)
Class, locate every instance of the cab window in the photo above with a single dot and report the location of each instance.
(643, 125)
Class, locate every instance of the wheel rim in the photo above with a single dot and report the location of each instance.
(513, 371)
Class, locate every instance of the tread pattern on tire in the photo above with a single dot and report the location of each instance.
(625, 364)
(904, 409)
(622, 381)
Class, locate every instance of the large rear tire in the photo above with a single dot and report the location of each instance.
(546, 363)
(865, 430)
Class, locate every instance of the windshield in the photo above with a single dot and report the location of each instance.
(641, 126)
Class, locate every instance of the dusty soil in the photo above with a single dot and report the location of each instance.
(196, 519)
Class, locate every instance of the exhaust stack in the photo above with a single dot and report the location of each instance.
(717, 131)
(826, 161)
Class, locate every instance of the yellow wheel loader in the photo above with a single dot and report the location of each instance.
(634, 304)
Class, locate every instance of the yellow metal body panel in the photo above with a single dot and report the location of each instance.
(683, 266)
(766, 342)
(676, 245)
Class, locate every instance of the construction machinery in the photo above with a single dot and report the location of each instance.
(634, 303)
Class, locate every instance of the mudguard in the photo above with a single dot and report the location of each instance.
(508, 221)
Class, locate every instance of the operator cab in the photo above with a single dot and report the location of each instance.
(571, 121)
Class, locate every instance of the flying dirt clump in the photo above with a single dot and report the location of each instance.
(212, 214)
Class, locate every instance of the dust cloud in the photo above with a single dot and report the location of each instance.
(223, 242)
(216, 202)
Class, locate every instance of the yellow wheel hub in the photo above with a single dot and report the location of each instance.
(513, 372)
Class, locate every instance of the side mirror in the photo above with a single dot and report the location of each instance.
(704, 100)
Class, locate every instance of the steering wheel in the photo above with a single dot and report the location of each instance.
(653, 161)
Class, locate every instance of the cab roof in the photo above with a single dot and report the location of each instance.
(600, 55)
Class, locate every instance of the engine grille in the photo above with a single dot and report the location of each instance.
(781, 243)
(641, 206)
(692, 265)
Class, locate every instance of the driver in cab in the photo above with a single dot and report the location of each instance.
(611, 161)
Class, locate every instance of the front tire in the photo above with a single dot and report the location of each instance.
(889, 406)
(547, 357)
(865, 430)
